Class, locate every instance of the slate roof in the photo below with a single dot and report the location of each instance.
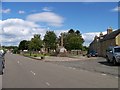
(112, 35)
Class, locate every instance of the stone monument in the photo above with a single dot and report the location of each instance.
(61, 49)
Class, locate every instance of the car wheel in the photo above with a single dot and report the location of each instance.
(2, 73)
(88, 56)
(114, 61)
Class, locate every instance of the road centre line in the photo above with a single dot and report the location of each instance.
(32, 72)
(104, 74)
(48, 83)
(18, 62)
(74, 68)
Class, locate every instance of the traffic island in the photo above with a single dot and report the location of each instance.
(36, 57)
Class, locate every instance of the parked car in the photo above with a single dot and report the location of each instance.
(2, 61)
(1, 65)
(113, 54)
(92, 54)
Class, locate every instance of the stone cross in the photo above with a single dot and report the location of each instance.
(62, 39)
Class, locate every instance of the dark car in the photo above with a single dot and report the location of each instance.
(92, 54)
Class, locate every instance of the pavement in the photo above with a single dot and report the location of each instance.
(72, 58)
(24, 72)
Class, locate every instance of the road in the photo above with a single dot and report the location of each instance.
(94, 64)
(23, 72)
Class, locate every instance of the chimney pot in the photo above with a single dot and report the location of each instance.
(109, 30)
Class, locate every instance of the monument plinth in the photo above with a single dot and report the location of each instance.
(62, 51)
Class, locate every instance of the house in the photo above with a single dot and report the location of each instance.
(101, 43)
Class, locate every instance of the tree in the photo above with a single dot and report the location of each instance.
(35, 43)
(50, 40)
(23, 45)
(73, 40)
(85, 48)
(77, 32)
(71, 31)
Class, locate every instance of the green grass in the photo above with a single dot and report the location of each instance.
(35, 55)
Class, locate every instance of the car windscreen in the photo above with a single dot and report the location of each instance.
(117, 50)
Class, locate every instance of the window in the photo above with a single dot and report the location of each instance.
(117, 49)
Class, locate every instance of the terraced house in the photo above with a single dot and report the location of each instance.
(101, 43)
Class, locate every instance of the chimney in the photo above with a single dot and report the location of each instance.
(96, 38)
(109, 30)
(101, 35)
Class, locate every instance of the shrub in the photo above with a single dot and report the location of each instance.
(35, 55)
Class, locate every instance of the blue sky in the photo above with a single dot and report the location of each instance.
(88, 17)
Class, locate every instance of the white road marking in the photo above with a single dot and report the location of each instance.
(48, 83)
(71, 68)
(116, 77)
(32, 72)
(74, 68)
(104, 74)
(18, 62)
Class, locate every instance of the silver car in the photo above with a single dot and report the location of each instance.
(1, 68)
(113, 54)
(2, 62)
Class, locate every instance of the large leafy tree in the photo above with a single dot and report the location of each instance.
(73, 40)
(50, 40)
(23, 45)
(35, 43)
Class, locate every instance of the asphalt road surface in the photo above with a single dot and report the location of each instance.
(95, 64)
(23, 72)
(0, 82)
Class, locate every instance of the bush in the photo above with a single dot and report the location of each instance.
(16, 51)
(42, 57)
(35, 55)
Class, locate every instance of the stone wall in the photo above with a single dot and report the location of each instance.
(100, 47)
(118, 40)
(105, 45)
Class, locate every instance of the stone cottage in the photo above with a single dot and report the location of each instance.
(101, 43)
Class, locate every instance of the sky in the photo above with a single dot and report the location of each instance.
(21, 20)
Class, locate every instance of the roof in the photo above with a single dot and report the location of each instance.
(112, 35)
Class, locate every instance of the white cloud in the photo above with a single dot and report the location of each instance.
(116, 9)
(58, 32)
(21, 12)
(89, 37)
(15, 30)
(12, 31)
(47, 9)
(49, 18)
(5, 10)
